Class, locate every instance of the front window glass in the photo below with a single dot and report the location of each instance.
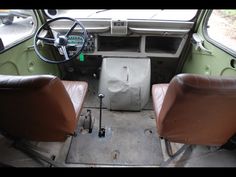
(152, 14)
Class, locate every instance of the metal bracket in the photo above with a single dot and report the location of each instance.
(30, 47)
(88, 121)
(101, 132)
(198, 41)
(171, 154)
(169, 149)
(26, 149)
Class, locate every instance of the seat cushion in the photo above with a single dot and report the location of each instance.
(196, 109)
(77, 91)
(40, 107)
(158, 95)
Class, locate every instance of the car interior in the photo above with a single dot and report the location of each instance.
(117, 88)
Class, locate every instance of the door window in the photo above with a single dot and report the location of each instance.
(16, 26)
(221, 29)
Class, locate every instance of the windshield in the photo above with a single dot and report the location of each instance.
(180, 15)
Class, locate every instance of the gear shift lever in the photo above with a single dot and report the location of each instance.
(101, 132)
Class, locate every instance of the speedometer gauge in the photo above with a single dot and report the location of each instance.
(74, 40)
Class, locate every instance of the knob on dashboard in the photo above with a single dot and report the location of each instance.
(51, 13)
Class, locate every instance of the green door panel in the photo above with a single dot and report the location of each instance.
(21, 59)
(228, 72)
(216, 63)
(9, 68)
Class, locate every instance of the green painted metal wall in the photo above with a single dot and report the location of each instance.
(217, 63)
(21, 60)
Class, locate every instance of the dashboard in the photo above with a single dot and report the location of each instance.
(161, 41)
(130, 38)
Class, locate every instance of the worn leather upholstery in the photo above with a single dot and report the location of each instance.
(40, 108)
(195, 109)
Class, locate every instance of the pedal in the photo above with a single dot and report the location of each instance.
(88, 121)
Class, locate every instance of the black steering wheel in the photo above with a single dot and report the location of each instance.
(70, 46)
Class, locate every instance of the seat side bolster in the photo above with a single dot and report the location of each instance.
(158, 95)
(77, 91)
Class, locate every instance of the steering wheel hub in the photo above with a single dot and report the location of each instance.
(61, 41)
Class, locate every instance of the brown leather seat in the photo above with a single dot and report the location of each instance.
(195, 109)
(40, 108)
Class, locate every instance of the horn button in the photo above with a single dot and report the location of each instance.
(61, 41)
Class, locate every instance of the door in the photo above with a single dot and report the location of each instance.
(213, 49)
(17, 55)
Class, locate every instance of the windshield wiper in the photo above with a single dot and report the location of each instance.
(99, 11)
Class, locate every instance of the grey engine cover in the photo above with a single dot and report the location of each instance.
(125, 82)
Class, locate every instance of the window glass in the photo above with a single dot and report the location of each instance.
(16, 25)
(221, 27)
(150, 14)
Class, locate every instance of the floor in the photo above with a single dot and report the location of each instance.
(131, 140)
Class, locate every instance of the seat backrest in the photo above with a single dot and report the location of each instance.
(35, 108)
(199, 110)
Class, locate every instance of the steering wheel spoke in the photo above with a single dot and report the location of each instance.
(60, 42)
(46, 39)
(65, 52)
(71, 29)
(48, 43)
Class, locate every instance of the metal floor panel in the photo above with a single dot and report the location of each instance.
(131, 139)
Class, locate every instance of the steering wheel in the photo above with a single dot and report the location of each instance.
(62, 42)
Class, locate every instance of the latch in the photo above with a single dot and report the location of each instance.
(198, 41)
